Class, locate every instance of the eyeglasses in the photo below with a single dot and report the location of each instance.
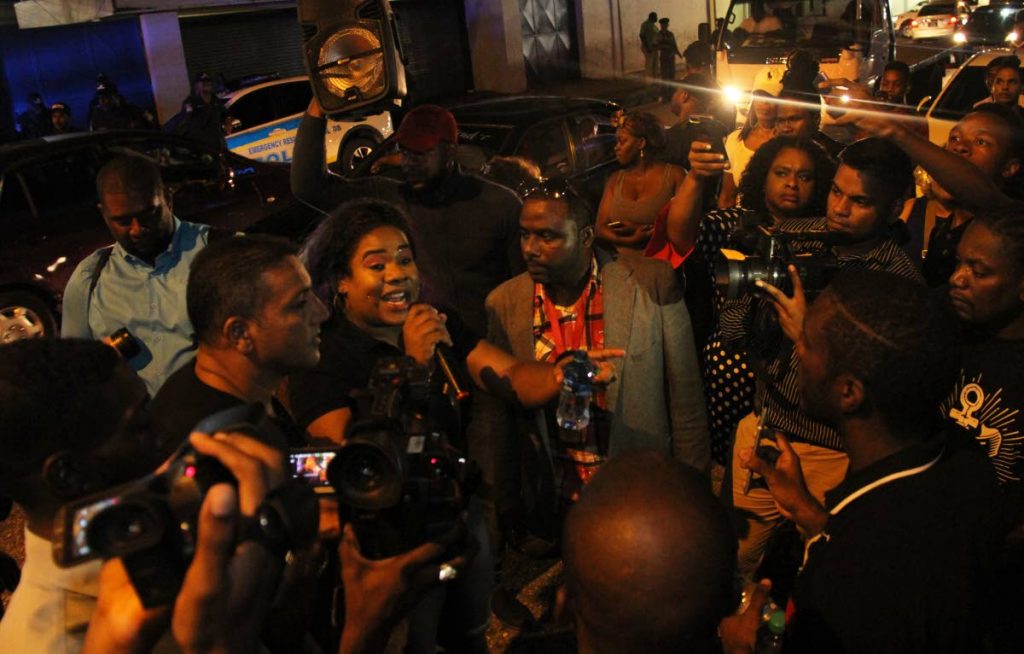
(551, 188)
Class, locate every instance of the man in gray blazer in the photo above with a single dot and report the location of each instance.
(600, 300)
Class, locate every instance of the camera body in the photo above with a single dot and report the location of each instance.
(150, 523)
(736, 274)
(399, 480)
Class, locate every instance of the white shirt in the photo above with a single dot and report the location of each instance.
(50, 610)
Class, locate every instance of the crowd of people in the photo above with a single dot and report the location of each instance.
(202, 116)
(854, 375)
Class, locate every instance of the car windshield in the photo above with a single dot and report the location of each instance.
(935, 10)
(966, 89)
(478, 143)
(816, 25)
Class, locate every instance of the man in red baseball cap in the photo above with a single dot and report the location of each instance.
(427, 141)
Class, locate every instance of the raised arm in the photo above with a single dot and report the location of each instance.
(686, 209)
(309, 177)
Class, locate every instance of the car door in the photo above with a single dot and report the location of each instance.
(593, 148)
(252, 136)
(50, 218)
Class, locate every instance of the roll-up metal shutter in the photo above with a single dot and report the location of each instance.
(239, 44)
(436, 48)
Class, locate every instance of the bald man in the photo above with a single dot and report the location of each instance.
(138, 283)
(649, 559)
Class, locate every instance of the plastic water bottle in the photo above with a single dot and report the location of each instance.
(773, 625)
(573, 412)
(772, 631)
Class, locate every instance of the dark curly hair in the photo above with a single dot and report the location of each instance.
(1008, 224)
(645, 126)
(756, 174)
(53, 396)
(328, 251)
(898, 340)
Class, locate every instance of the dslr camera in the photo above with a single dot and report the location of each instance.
(772, 252)
(151, 522)
(398, 479)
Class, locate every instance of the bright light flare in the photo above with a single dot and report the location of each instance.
(1012, 37)
(732, 94)
(960, 38)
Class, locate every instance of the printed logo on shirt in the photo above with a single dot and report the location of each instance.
(982, 414)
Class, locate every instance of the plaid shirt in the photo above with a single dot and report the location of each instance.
(577, 462)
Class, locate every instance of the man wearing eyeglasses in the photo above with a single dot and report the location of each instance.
(138, 283)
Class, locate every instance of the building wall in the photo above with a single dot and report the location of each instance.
(496, 45)
(609, 31)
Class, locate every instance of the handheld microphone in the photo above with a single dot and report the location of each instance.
(443, 355)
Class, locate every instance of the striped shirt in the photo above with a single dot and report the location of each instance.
(752, 321)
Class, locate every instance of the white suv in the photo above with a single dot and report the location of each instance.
(266, 117)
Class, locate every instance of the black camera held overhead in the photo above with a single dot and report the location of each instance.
(150, 523)
(399, 480)
(771, 253)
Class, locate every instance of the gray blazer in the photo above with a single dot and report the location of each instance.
(656, 401)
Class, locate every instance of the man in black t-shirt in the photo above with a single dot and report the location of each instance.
(256, 320)
(901, 556)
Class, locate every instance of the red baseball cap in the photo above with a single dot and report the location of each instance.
(426, 126)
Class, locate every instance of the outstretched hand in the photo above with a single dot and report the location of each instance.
(378, 593)
(600, 358)
(787, 485)
(704, 163)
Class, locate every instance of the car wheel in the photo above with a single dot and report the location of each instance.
(906, 30)
(23, 315)
(355, 150)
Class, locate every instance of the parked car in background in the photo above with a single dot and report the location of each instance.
(989, 25)
(567, 137)
(50, 219)
(934, 20)
(963, 90)
(902, 21)
(265, 119)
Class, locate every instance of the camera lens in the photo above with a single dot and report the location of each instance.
(366, 477)
(362, 473)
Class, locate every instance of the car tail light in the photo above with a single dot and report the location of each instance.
(952, 20)
(913, 23)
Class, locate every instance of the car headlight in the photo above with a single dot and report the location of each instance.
(960, 37)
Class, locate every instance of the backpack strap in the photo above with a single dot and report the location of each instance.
(101, 263)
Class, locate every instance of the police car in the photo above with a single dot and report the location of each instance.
(265, 119)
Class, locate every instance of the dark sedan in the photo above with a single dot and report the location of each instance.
(567, 137)
(50, 220)
(989, 25)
